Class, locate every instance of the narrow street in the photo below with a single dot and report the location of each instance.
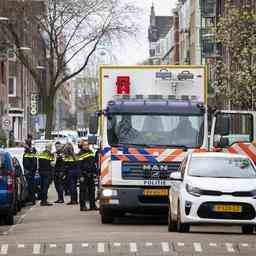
(61, 230)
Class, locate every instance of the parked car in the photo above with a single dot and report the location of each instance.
(216, 188)
(7, 188)
(22, 190)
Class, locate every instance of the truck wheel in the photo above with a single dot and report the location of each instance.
(172, 224)
(247, 229)
(106, 219)
(181, 227)
(9, 219)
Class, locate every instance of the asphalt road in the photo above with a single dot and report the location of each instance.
(64, 230)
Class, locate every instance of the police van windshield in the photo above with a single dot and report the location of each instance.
(156, 130)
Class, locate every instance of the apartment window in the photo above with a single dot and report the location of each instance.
(12, 86)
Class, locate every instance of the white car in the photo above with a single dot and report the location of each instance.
(213, 188)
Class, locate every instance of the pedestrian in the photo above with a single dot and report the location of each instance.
(30, 168)
(87, 170)
(59, 172)
(71, 168)
(45, 168)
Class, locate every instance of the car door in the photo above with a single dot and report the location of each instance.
(177, 185)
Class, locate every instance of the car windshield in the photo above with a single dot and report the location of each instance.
(156, 130)
(221, 167)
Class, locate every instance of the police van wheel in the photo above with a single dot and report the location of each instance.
(106, 219)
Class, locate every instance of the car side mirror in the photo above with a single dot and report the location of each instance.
(220, 141)
(176, 176)
(94, 123)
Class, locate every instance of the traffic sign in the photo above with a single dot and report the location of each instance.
(7, 123)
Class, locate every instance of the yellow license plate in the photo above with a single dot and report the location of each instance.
(227, 208)
(155, 192)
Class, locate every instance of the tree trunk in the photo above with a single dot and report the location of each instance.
(48, 103)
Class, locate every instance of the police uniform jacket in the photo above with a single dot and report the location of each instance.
(86, 162)
(30, 161)
(59, 164)
(70, 163)
(45, 159)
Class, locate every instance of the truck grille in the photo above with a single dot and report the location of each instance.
(145, 170)
(206, 211)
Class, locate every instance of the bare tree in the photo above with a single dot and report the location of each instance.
(71, 31)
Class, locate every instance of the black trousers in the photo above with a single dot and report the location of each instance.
(87, 191)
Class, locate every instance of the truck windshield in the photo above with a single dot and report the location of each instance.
(156, 130)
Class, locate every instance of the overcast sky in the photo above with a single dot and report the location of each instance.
(136, 50)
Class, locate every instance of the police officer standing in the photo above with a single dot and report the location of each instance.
(86, 176)
(59, 172)
(30, 167)
(45, 168)
(71, 169)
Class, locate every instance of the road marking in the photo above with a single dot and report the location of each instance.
(198, 247)
(53, 245)
(117, 244)
(4, 249)
(36, 248)
(148, 244)
(21, 245)
(180, 244)
(165, 247)
(230, 247)
(101, 247)
(245, 245)
(85, 245)
(69, 248)
(133, 247)
(213, 244)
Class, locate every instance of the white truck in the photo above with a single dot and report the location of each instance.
(149, 117)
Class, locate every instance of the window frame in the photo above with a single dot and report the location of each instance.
(14, 94)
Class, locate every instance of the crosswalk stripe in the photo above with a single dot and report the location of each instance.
(198, 247)
(36, 249)
(180, 244)
(230, 247)
(213, 244)
(165, 247)
(21, 245)
(101, 247)
(133, 247)
(4, 249)
(148, 244)
(117, 244)
(52, 245)
(69, 248)
(245, 245)
(85, 245)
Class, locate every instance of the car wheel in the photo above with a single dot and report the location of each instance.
(172, 224)
(9, 219)
(181, 227)
(247, 229)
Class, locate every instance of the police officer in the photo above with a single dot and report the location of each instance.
(59, 172)
(45, 168)
(30, 167)
(71, 168)
(87, 171)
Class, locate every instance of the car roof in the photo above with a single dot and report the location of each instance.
(218, 154)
